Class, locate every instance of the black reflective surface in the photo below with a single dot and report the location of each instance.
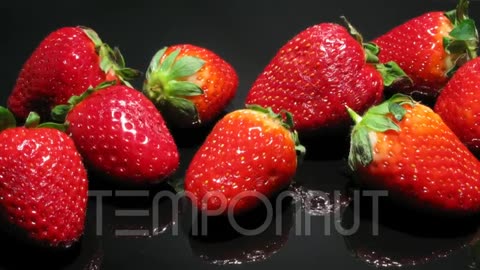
(305, 234)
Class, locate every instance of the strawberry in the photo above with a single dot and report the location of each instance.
(430, 47)
(43, 192)
(191, 85)
(249, 152)
(120, 133)
(65, 63)
(404, 147)
(457, 104)
(319, 71)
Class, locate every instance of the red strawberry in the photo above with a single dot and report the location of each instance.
(430, 47)
(189, 84)
(43, 192)
(458, 105)
(249, 152)
(120, 133)
(319, 71)
(66, 62)
(406, 148)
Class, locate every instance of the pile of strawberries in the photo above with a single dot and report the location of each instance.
(78, 111)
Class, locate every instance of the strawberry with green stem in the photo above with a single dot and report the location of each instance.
(318, 72)
(249, 151)
(120, 134)
(404, 147)
(430, 48)
(190, 85)
(65, 63)
(43, 192)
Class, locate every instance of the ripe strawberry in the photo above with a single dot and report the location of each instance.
(407, 149)
(249, 152)
(121, 134)
(429, 48)
(65, 63)
(189, 84)
(319, 71)
(43, 192)
(458, 106)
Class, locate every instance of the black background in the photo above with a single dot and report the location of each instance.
(247, 34)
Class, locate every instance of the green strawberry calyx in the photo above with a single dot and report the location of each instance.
(166, 83)
(111, 60)
(462, 41)
(380, 118)
(59, 113)
(391, 72)
(7, 120)
(285, 119)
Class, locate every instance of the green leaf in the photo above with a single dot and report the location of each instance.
(7, 120)
(392, 73)
(371, 52)
(183, 88)
(465, 30)
(451, 15)
(118, 57)
(93, 36)
(352, 30)
(361, 152)
(380, 109)
(168, 61)
(155, 61)
(128, 73)
(185, 107)
(33, 119)
(380, 123)
(397, 111)
(57, 126)
(289, 120)
(59, 112)
(185, 66)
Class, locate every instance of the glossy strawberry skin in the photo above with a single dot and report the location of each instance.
(65, 63)
(245, 152)
(43, 192)
(314, 75)
(120, 133)
(217, 78)
(458, 104)
(417, 47)
(424, 165)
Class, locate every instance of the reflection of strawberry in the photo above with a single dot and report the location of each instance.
(430, 47)
(400, 244)
(43, 192)
(407, 149)
(66, 62)
(249, 150)
(223, 245)
(458, 105)
(317, 73)
(120, 133)
(189, 84)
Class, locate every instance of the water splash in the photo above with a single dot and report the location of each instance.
(319, 203)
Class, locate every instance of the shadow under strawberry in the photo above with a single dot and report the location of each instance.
(19, 255)
(224, 245)
(405, 237)
(326, 145)
(192, 136)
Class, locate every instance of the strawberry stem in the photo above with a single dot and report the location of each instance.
(355, 116)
